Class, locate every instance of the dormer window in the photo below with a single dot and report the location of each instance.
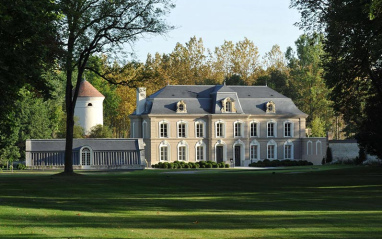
(228, 105)
(271, 108)
(90, 104)
(181, 107)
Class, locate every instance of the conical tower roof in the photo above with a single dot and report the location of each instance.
(87, 90)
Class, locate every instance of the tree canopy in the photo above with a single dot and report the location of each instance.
(89, 27)
(352, 60)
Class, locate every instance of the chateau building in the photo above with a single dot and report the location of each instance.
(238, 124)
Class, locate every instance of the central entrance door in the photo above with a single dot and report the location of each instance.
(219, 154)
(237, 155)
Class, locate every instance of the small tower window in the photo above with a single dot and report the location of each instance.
(90, 104)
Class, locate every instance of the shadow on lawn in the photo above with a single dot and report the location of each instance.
(196, 221)
(150, 191)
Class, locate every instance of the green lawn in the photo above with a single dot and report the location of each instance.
(300, 202)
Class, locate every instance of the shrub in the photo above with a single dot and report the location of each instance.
(208, 165)
(171, 165)
(165, 165)
(21, 166)
(197, 165)
(226, 165)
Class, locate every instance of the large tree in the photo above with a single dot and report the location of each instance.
(89, 27)
(306, 79)
(353, 64)
(28, 49)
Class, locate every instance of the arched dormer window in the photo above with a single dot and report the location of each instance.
(181, 107)
(228, 105)
(90, 104)
(271, 107)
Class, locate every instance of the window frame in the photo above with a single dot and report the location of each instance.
(274, 144)
(202, 145)
(164, 144)
(256, 129)
(203, 124)
(182, 144)
(291, 145)
(164, 122)
(178, 129)
(222, 129)
(257, 144)
(238, 127)
(291, 129)
(274, 123)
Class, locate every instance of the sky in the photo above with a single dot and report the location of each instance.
(265, 22)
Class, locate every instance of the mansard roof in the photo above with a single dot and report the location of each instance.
(206, 99)
(88, 90)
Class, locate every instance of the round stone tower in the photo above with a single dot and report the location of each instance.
(89, 106)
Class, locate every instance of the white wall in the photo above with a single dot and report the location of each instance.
(89, 116)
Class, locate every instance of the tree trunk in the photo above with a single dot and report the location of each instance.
(69, 105)
(69, 127)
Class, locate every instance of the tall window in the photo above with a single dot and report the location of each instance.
(238, 128)
(254, 152)
(272, 150)
(200, 153)
(163, 130)
(199, 130)
(271, 129)
(253, 129)
(182, 130)
(182, 153)
(85, 156)
(288, 151)
(219, 129)
(288, 129)
(164, 153)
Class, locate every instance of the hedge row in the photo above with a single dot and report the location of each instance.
(278, 163)
(181, 164)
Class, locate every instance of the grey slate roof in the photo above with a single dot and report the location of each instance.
(54, 145)
(206, 99)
